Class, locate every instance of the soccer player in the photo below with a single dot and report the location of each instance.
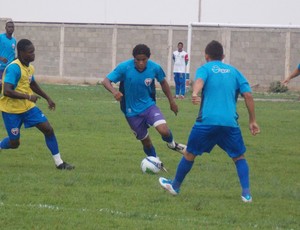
(294, 74)
(18, 103)
(180, 58)
(7, 47)
(137, 97)
(216, 124)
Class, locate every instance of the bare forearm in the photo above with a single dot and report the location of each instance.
(36, 89)
(250, 106)
(294, 74)
(166, 89)
(197, 87)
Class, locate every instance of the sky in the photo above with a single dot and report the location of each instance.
(166, 12)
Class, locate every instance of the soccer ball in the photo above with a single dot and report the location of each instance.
(151, 165)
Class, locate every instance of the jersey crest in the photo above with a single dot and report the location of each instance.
(148, 81)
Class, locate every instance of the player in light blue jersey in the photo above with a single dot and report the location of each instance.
(7, 48)
(216, 124)
(294, 74)
(136, 94)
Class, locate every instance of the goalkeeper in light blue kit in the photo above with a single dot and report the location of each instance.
(216, 124)
(136, 94)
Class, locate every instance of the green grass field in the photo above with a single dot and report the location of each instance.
(107, 190)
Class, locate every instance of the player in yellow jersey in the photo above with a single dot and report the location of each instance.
(20, 92)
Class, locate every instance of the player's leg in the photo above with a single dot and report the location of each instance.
(35, 118)
(200, 140)
(182, 85)
(242, 169)
(140, 130)
(177, 84)
(12, 124)
(148, 146)
(155, 118)
(232, 142)
(52, 145)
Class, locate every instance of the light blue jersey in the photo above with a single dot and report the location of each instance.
(222, 85)
(7, 50)
(138, 88)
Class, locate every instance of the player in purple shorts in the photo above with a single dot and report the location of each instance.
(219, 85)
(137, 97)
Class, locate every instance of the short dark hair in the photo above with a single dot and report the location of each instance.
(214, 50)
(180, 43)
(9, 21)
(141, 49)
(23, 44)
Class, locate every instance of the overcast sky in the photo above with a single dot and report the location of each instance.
(174, 12)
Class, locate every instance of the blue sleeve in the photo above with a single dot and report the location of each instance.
(299, 66)
(244, 86)
(201, 73)
(12, 74)
(160, 74)
(117, 74)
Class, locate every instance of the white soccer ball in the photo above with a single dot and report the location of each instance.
(151, 165)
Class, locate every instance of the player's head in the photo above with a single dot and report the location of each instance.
(180, 46)
(214, 51)
(25, 50)
(9, 27)
(141, 49)
(141, 54)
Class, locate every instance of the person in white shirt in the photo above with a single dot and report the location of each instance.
(180, 58)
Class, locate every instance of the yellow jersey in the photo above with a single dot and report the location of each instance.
(19, 76)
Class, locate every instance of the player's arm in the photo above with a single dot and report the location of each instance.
(186, 59)
(253, 126)
(8, 91)
(197, 89)
(38, 90)
(107, 85)
(294, 74)
(166, 89)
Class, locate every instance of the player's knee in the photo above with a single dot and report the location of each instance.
(48, 131)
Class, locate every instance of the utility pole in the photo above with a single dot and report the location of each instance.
(199, 11)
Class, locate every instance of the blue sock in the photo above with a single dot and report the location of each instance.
(169, 138)
(243, 174)
(52, 144)
(183, 169)
(4, 144)
(150, 151)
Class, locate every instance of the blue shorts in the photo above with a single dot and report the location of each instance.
(204, 137)
(30, 118)
(140, 123)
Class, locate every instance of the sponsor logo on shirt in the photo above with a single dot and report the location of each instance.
(217, 69)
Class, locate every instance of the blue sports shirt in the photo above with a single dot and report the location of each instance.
(7, 49)
(138, 88)
(222, 85)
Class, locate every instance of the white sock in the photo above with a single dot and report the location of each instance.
(57, 159)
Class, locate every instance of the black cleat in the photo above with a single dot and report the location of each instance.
(65, 166)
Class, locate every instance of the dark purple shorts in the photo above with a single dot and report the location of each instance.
(150, 117)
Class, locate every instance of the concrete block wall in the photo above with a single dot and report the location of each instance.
(86, 53)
